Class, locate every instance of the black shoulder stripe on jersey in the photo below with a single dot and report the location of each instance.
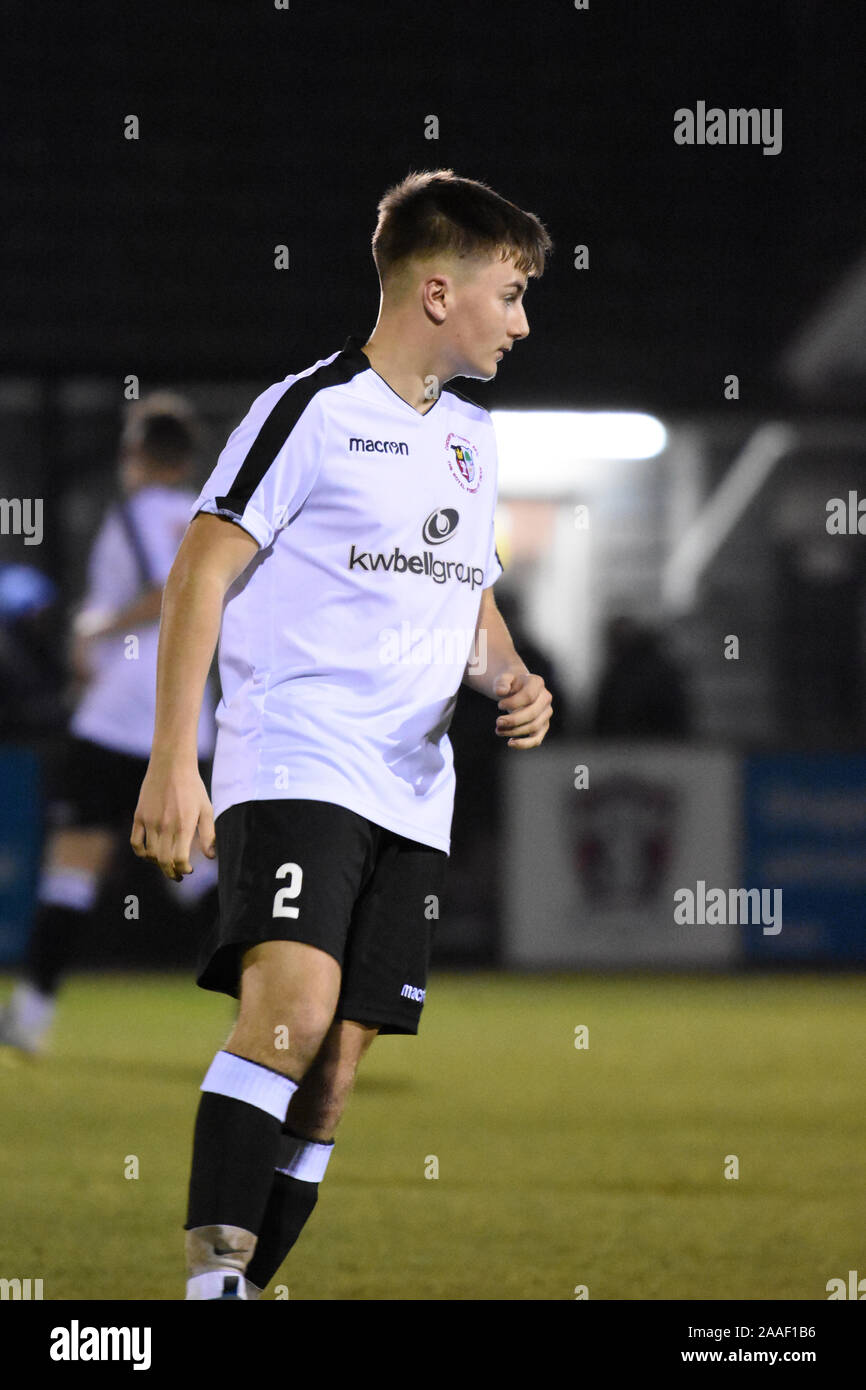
(499, 557)
(283, 419)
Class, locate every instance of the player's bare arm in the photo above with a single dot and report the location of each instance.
(174, 803)
(525, 703)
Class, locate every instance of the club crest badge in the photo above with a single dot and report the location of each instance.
(464, 462)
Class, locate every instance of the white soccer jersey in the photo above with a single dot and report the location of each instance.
(118, 707)
(344, 642)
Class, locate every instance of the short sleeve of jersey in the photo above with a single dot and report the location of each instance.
(269, 464)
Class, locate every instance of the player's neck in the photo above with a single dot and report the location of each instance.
(406, 373)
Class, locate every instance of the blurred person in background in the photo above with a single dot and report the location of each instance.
(641, 691)
(93, 787)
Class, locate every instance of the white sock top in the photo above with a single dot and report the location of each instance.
(241, 1079)
(307, 1161)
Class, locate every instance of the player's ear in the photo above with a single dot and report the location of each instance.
(437, 292)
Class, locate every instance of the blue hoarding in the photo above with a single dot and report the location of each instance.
(805, 833)
(20, 847)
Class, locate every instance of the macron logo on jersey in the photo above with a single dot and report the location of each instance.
(378, 446)
(413, 992)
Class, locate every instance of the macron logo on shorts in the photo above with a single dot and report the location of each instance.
(413, 992)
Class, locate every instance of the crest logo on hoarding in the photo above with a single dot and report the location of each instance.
(623, 842)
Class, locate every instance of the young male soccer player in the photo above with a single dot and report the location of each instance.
(343, 552)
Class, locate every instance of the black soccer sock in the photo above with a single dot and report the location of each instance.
(54, 935)
(290, 1204)
(237, 1143)
(300, 1167)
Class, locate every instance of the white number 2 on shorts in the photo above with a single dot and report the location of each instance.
(292, 890)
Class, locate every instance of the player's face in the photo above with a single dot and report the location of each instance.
(489, 318)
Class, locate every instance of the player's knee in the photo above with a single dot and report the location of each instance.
(300, 1041)
(285, 1039)
(301, 1028)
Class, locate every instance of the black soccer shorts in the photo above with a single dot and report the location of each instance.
(311, 871)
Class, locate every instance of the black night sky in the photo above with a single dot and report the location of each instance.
(262, 126)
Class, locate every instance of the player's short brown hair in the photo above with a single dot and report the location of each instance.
(435, 211)
(164, 427)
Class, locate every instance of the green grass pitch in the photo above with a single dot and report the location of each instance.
(558, 1166)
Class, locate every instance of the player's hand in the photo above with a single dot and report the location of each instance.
(172, 804)
(526, 706)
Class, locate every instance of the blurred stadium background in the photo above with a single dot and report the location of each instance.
(671, 436)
